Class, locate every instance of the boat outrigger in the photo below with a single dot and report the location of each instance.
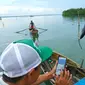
(74, 68)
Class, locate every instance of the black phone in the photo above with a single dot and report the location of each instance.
(61, 65)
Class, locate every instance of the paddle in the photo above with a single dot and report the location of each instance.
(27, 28)
(23, 34)
(21, 30)
(42, 32)
(42, 29)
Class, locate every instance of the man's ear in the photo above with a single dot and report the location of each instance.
(31, 72)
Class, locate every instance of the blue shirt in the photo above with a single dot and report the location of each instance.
(80, 82)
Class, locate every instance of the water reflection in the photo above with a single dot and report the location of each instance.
(73, 19)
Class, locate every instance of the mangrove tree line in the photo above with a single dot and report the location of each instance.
(74, 12)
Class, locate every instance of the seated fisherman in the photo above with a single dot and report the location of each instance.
(32, 26)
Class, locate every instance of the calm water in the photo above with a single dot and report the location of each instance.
(61, 36)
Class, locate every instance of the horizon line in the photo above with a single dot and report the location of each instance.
(7, 16)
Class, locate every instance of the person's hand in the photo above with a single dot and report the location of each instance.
(65, 78)
(46, 76)
(51, 74)
(54, 68)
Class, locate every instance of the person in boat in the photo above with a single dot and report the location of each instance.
(20, 65)
(34, 32)
(32, 26)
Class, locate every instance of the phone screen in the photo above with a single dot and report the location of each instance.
(61, 65)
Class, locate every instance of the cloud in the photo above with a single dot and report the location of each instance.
(8, 9)
(40, 10)
(12, 1)
(28, 10)
(3, 10)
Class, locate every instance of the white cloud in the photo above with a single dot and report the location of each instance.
(3, 10)
(8, 9)
(40, 10)
(13, 0)
(28, 10)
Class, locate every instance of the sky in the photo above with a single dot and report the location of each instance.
(20, 7)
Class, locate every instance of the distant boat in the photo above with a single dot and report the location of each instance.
(31, 16)
(0, 18)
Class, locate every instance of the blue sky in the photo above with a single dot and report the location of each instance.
(38, 6)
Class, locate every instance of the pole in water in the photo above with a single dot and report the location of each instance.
(82, 63)
(83, 32)
(79, 31)
(79, 43)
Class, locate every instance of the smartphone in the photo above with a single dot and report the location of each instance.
(61, 65)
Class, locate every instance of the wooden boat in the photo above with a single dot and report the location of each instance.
(33, 31)
(34, 34)
(71, 65)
